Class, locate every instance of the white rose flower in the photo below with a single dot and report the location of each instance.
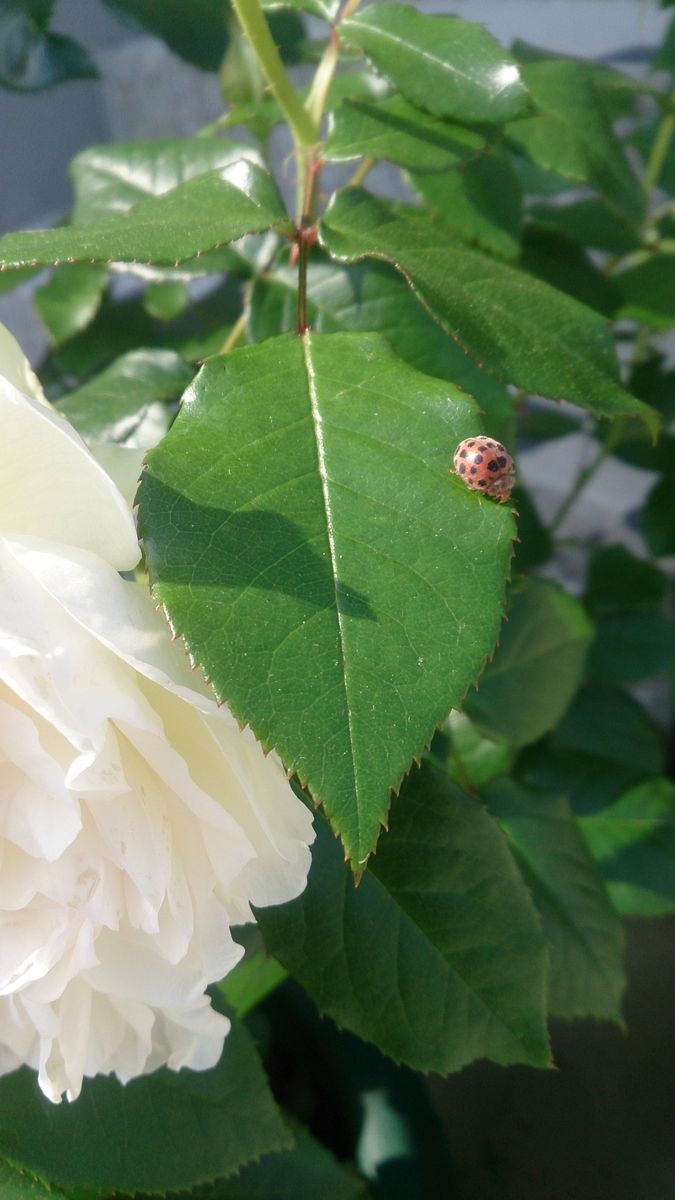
(137, 822)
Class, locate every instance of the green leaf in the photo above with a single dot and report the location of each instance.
(537, 666)
(69, 301)
(617, 581)
(197, 31)
(15, 1184)
(31, 58)
(658, 517)
(588, 222)
(254, 977)
(129, 398)
(326, 9)
(163, 1132)
(306, 1172)
(437, 957)
(450, 67)
(537, 424)
(469, 757)
(648, 291)
(166, 299)
(122, 326)
(394, 129)
(604, 745)
(517, 327)
(654, 381)
(563, 263)
(535, 543)
(572, 135)
(304, 491)
(582, 929)
(633, 840)
(198, 215)
(482, 202)
(369, 297)
(111, 179)
(631, 646)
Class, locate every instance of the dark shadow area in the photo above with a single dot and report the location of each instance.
(217, 548)
(601, 1126)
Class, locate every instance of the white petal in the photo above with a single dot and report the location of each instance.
(15, 366)
(52, 487)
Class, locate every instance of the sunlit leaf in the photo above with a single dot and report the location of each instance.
(338, 585)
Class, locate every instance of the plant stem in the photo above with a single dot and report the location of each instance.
(302, 321)
(235, 333)
(585, 475)
(254, 25)
(365, 166)
(318, 93)
(660, 148)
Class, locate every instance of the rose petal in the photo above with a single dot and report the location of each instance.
(51, 486)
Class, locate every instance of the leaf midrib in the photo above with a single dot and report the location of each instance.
(317, 424)
(452, 69)
(450, 967)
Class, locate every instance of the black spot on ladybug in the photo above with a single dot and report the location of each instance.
(491, 445)
(471, 443)
(501, 461)
(462, 454)
(483, 449)
(462, 468)
(498, 446)
(474, 470)
(493, 464)
(481, 482)
(478, 458)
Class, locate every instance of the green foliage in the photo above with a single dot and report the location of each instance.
(537, 666)
(571, 135)
(582, 929)
(450, 67)
(131, 394)
(375, 621)
(201, 214)
(304, 377)
(482, 203)
(32, 58)
(455, 915)
(197, 31)
(633, 842)
(161, 1132)
(537, 337)
(394, 129)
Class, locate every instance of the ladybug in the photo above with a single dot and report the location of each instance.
(485, 466)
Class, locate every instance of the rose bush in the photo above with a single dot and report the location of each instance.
(137, 822)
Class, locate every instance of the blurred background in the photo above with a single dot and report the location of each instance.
(601, 1127)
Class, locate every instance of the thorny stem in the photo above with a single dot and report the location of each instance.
(303, 247)
(318, 93)
(304, 121)
(254, 25)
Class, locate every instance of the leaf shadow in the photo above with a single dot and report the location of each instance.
(221, 548)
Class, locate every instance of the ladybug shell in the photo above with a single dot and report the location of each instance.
(485, 466)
